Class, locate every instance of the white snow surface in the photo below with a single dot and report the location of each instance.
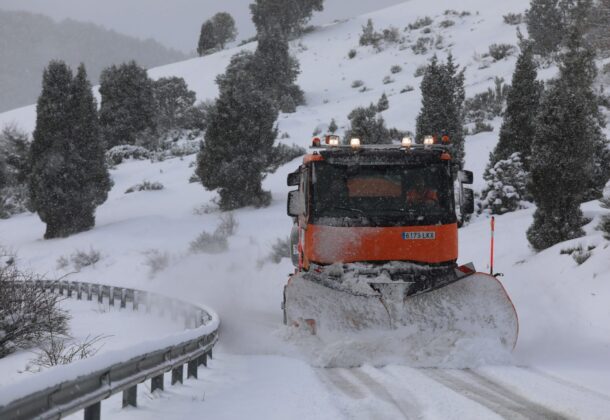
(562, 358)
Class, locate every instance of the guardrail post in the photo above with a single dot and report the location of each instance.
(94, 412)
(89, 292)
(123, 298)
(156, 383)
(203, 360)
(178, 375)
(210, 354)
(130, 397)
(79, 291)
(136, 297)
(192, 369)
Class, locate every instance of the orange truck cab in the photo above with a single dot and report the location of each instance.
(377, 204)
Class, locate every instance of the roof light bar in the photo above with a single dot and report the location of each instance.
(406, 141)
(354, 142)
(428, 141)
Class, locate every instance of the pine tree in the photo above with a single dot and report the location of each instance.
(173, 102)
(367, 125)
(568, 134)
(207, 41)
(14, 171)
(505, 185)
(128, 105)
(518, 127)
(545, 26)
(383, 104)
(442, 110)
(238, 149)
(69, 178)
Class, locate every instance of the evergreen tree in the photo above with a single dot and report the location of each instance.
(564, 166)
(207, 41)
(505, 185)
(383, 103)
(128, 105)
(369, 36)
(442, 110)
(287, 15)
(173, 101)
(518, 127)
(224, 28)
(604, 225)
(216, 33)
(368, 126)
(69, 178)
(276, 71)
(332, 127)
(238, 149)
(545, 26)
(14, 171)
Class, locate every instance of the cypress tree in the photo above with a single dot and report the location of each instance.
(518, 127)
(545, 26)
(442, 110)
(568, 135)
(69, 178)
(128, 105)
(207, 41)
(383, 104)
(238, 148)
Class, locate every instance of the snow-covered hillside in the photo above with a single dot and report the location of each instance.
(564, 308)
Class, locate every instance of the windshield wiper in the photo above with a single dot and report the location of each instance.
(347, 208)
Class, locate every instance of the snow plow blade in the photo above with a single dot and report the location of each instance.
(474, 307)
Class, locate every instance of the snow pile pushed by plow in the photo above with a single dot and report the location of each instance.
(465, 324)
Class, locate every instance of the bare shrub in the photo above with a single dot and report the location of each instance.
(217, 242)
(446, 23)
(27, 313)
(58, 350)
(145, 186)
(395, 69)
(351, 53)
(156, 261)
(387, 80)
(357, 83)
(420, 71)
(407, 88)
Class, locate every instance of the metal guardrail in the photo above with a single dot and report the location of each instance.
(92, 380)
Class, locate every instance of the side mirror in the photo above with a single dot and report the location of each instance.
(294, 178)
(295, 205)
(467, 201)
(466, 177)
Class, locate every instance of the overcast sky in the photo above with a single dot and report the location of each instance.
(174, 23)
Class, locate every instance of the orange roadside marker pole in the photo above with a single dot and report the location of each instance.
(491, 259)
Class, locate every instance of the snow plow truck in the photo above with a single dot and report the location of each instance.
(375, 246)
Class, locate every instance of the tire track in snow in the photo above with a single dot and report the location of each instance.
(560, 381)
(409, 411)
(492, 395)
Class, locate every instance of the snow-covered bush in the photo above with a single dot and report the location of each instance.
(420, 71)
(407, 88)
(422, 45)
(369, 36)
(501, 51)
(578, 253)
(27, 314)
(446, 23)
(505, 186)
(420, 23)
(395, 69)
(357, 83)
(351, 53)
(481, 127)
(118, 154)
(383, 104)
(387, 80)
(145, 186)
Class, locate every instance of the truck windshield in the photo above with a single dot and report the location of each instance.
(383, 194)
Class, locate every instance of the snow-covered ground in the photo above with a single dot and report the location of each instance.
(562, 360)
